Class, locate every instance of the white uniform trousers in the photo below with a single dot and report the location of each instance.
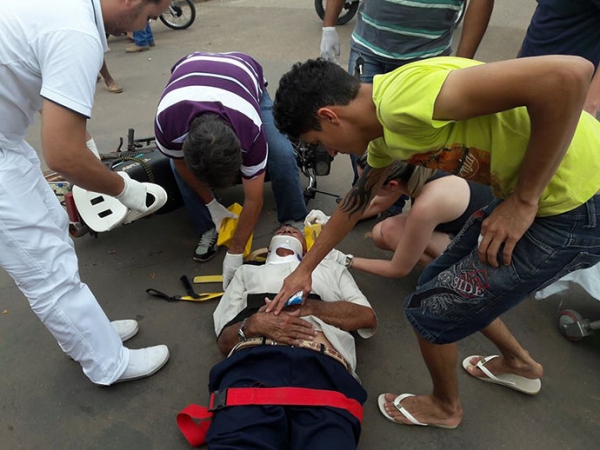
(38, 253)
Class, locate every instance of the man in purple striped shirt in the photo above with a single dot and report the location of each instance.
(215, 121)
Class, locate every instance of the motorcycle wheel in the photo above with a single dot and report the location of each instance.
(180, 15)
(347, 13)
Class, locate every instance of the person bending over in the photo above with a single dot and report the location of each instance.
(307, 346)
(390, 34)
(215, 120)
(435, 217)
(494, 123)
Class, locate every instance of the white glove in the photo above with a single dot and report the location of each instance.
(337, 256)
(91, 144)
(330, 45)
(133, 195)
(316, 216)
(218, 212)
(231, 262)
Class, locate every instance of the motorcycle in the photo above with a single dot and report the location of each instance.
(346, 14)
(180, 14)
(142, 161)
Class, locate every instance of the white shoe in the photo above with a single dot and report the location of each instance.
(126, 329)
(144, 362)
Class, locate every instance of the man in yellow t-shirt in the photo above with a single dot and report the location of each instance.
(516, 125)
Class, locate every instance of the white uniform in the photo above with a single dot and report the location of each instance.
(50, 49)
(330, 280)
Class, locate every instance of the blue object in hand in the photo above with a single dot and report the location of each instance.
(295, 299)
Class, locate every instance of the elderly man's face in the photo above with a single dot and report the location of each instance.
(121, 16)
(294, 232)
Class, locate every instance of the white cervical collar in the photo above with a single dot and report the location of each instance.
(289, 243)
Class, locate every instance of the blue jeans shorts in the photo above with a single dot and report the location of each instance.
(459, 295)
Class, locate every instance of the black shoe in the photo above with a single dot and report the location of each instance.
(207, 246)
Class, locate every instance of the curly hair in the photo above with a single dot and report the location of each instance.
(305, 88)
(414, 177)
(212, 151)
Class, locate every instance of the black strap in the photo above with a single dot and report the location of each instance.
(187, 284)
(159, 294)
(256, 301)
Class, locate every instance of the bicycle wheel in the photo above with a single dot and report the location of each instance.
(346, 14)
(180, 15)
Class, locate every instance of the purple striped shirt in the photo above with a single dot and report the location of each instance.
(227, 84)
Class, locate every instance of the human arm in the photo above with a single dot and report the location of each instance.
(330, 39)
(539, 84)
(344, 315)
(477, 18)
(339, 225)
(253, 201)
(379, 204)
(432, 207)
(592, 101)
(286, 328)
(64, 147)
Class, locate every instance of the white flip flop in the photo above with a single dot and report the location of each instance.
(102, 212)
(517, 382)
(381, 401)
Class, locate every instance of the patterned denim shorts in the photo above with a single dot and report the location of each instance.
(459, 295)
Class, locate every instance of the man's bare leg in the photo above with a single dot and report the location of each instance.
(109, 81)
(514, 358)
(442, 407)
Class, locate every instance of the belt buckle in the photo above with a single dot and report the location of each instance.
(218, 400)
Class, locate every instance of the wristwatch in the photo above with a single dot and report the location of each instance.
(241, 336)
(348, 262)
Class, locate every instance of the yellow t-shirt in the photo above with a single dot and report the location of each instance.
(487, 149)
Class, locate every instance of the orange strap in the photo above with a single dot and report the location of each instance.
(195, 432)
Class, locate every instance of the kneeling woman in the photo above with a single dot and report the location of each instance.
(441, 204)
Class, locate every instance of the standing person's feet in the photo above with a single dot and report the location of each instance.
(152, 44)
(519, 373)
(113, 87)
(144, 362)
(408, 409)
(136, 48)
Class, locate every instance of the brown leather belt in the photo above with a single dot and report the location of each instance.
(315, 346)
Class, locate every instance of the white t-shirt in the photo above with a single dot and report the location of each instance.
(330, 280)
(49, 49)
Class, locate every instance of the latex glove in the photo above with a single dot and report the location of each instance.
(91, 144)
(231, 262)
(330, 45)
(337, 256)
(218, 213)
(133, 195)
(316, 216)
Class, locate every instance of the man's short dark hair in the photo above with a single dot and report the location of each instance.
(212, 151)
(307, 87)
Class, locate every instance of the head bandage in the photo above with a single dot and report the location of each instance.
(289, 243)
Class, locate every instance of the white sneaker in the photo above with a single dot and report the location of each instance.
(126, 329)
(144, 362)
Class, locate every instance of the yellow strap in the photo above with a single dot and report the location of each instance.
(202, 297)
(208, 279)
